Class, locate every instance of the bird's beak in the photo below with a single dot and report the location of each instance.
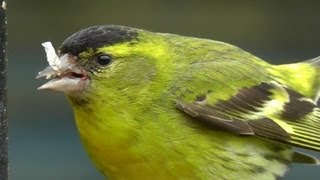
(64, 72)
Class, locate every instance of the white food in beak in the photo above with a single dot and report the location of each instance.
(62, 69)
(52, 57)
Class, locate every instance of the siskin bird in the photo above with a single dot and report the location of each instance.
(162, 106)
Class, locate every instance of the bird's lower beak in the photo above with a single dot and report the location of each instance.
(67, 77)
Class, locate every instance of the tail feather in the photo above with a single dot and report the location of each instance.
(315, 61)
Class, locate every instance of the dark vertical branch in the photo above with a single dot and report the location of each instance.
(3, 94)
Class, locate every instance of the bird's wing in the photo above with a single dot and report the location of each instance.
(269, 110)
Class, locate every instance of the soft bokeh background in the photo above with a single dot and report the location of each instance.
(43, 140)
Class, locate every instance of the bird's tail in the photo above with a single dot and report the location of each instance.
(303, 80)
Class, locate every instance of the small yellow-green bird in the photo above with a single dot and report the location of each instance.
(162, 106)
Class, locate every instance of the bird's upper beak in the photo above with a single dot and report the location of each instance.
(64, 72)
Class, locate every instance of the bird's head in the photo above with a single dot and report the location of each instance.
(107, 59)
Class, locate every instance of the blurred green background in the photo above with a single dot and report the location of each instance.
(43, 140)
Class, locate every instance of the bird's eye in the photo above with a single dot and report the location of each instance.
(104, 59)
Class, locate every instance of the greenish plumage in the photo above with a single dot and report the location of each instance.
(173, 107)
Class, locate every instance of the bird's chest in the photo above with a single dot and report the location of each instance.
(121, 152)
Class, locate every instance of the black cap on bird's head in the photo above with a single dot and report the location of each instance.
(97, 36)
